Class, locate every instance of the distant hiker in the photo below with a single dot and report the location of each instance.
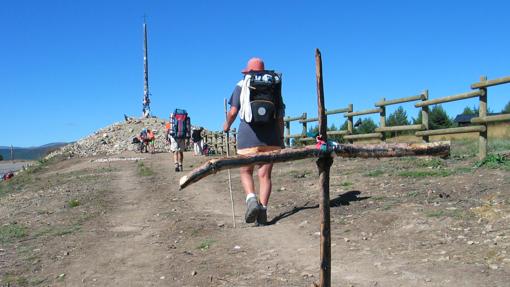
(146, 139)
(257, 99)
(196, 138)
(178, 133)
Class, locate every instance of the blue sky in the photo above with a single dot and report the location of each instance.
(72, 67)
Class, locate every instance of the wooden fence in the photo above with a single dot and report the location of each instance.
(421, 130)
(217, 142)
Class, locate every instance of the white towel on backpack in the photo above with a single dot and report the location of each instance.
(245, 110)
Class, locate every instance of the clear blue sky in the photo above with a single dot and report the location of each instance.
(69, 68)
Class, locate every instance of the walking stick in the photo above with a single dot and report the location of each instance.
(229, 176)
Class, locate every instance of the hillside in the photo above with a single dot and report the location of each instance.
(115, 139)
(30, 153)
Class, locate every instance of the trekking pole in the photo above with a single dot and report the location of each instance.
(229, 176)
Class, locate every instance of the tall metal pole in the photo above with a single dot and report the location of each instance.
(324, 165)
(146, 99)
(12, 153)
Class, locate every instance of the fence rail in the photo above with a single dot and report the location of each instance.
(420, 130)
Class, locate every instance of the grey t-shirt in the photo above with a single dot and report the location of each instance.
(253, 135)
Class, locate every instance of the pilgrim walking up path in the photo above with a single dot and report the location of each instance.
(130, 225)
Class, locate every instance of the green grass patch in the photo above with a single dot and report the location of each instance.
(426, 173)
(206, 244)
(412, 194)
(73, 203)
(144, 170)
(14, 280)
(374, 173)
(346, 183)
(459, 214)
(11, 232)
(494, 161)
(300, 173)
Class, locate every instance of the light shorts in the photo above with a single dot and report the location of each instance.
(257, 149)
(177, 144)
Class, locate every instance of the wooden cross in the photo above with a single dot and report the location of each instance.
(324, 162)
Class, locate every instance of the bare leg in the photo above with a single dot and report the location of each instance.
(247, 179)
(264, 174)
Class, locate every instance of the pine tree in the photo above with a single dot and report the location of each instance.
(398, 118)
(367, 126)
(438, 118)
(506, 109)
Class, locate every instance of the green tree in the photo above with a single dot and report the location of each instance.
(470, 111)
(367, 126)
(1, 157)
(438, 118)
(398, 118)
(506, 109)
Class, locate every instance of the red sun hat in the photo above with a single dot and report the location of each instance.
(254, 64)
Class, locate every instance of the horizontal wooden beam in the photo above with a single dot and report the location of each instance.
(307, 139)
(363, 136)
(334, 133)
(332, 112)
(490, 119)
(337, 111)
(291, 119)
(450, 99)
(343, 150)
(401, 100)
(470, 129)
(484, 84)
(400, 128)
(365, 112)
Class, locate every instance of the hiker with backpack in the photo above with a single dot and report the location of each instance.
(257, 99)
(178, 133)
(196, 138)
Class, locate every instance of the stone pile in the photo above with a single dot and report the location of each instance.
(115, 139)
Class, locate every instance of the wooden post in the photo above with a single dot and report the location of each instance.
(382, 120)
(305, 128)
(482, 112)
(287, 133)
(324, 165)
(234, 140)
(349, 122)
(222, 143)
(216, 143)
(425, 115)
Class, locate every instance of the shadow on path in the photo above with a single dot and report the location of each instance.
(342, 199)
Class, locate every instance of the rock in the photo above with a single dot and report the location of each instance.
(470, 242)
(493, 266)
(237, 247)
(193, 273)
(162, 277)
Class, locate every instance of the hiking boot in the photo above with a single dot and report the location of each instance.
(177, 168)
(180, 167)
(252, 210)
(262, 217)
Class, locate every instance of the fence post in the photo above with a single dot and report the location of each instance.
(482, 112)
(305, 129)
(287, 133)
(349, 121)
(425, 115)
(382, 120)
(234, 140)
(223, 138)
(216, 142)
